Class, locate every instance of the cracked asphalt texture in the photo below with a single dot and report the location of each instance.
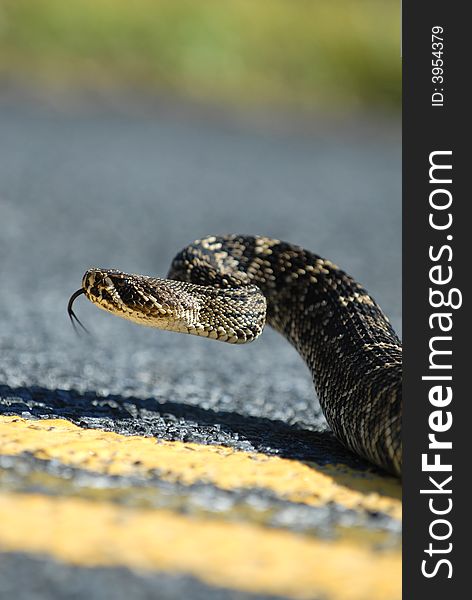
(123, 188)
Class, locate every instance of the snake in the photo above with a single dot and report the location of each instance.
(228, 287)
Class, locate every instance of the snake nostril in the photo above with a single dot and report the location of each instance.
(94, 279)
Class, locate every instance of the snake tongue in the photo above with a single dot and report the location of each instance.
(73, 317)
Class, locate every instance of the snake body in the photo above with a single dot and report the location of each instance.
(228, 287)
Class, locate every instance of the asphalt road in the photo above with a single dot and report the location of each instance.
(106, 187)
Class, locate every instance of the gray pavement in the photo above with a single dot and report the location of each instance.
(101, 187)
(44, 579)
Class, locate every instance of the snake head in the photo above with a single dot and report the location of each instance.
(230, 315)
(161, 303)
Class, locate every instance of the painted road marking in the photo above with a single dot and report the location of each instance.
(239, 556)
(115, 454)
(23, 475)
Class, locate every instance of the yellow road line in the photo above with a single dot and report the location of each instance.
(239, 556)
(115, 454)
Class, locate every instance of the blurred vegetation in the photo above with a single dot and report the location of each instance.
(338, 54)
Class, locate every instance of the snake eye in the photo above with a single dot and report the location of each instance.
(117, 282)
(107, 296)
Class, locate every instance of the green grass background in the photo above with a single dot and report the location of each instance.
(340, 55)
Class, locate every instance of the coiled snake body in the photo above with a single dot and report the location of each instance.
(227, 287)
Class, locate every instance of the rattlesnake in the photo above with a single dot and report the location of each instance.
(228, 287)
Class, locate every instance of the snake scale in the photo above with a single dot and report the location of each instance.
(228, 287)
